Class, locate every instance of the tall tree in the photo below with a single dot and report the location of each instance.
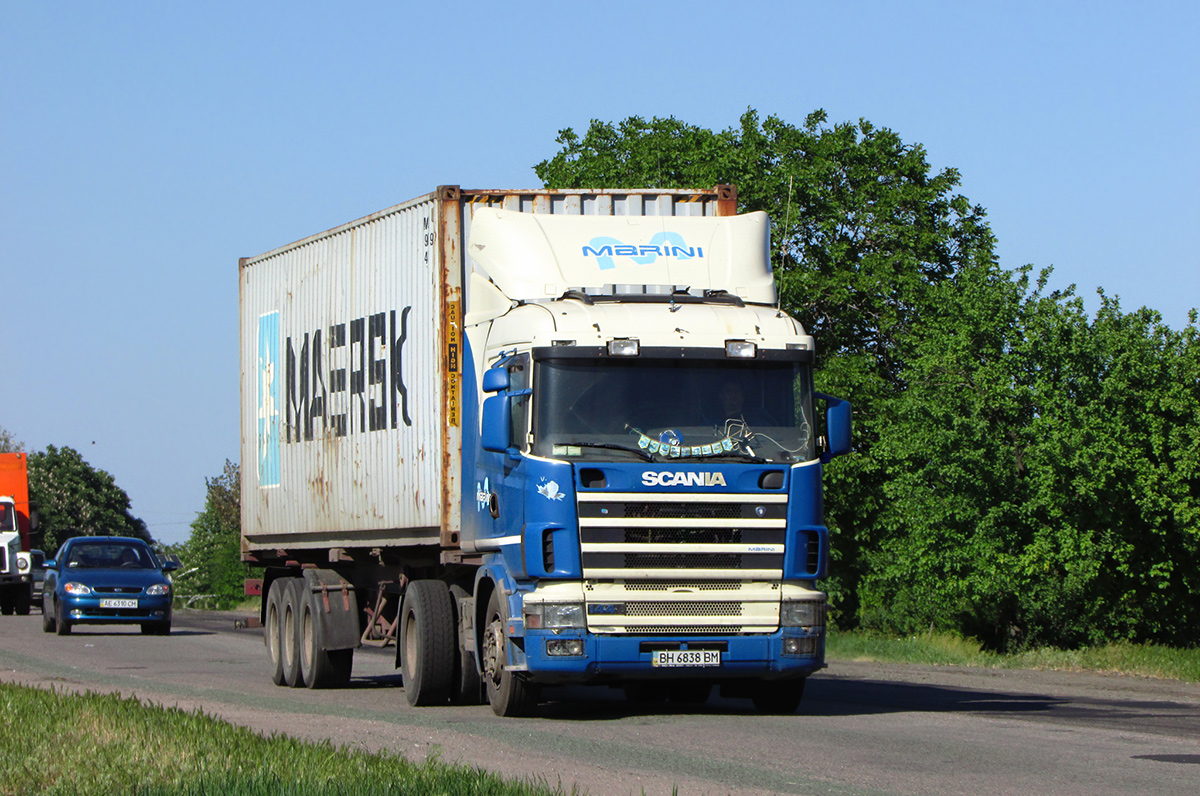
(864, 230)
(9, 443)
(75, 499)
(214, 547)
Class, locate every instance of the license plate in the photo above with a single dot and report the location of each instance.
(686, 658)
(112, 602)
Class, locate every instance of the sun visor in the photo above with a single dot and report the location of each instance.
(532, 256)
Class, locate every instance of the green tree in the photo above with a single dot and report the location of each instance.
(75, 499)
(865, 230)
(1024, 473)
(214, 546)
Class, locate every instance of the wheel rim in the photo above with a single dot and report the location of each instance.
(273, 633)
(412, 663)
(493, 647)
(306, 629)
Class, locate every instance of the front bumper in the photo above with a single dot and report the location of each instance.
(87, 610)
(613, 658)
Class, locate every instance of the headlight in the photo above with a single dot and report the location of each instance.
(802, 613)
(158, 590)
(78, 589)
(23, 562)
(553, 616)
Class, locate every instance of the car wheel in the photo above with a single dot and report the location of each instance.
(62, 626)
(508, 693)
(427, 642)
(48, 620)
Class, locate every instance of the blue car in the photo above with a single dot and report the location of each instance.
(107, 580)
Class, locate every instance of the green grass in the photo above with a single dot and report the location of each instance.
(106, 744)
(941, 649)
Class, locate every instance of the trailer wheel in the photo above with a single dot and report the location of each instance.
(319, 667)
(272, 628)
(428, 642)
(289, 631)
(467, 687)
(779, 698)
(508, 693)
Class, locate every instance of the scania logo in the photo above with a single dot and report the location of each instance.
(672, 478)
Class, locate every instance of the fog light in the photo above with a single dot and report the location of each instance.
(76, 613)
(564, 647)
(803, 647)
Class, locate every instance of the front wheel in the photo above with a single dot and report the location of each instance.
(48, 619)
(508, 693)
(61, 626)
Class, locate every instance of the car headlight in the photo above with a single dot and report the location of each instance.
(553, 616)
(78, 589)
(802, 613)
(158, 589)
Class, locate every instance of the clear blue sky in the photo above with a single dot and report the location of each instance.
(144, 147)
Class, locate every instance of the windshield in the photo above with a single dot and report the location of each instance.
(109, 555)
(673, 409)
(8, 517)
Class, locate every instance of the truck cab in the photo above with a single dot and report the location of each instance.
(648, 477)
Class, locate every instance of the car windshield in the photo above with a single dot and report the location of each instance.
(673, 409)
(109, 555)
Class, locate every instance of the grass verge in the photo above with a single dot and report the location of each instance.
(106, 744)
(942, 649)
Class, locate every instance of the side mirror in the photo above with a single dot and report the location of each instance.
(837, 425)
(497, 421)
(170, 566)
(51, 564)
(33, 520)
(495, 379)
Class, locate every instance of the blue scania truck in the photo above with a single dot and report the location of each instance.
(535, 438)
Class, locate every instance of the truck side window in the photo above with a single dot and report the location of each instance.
(518, 379)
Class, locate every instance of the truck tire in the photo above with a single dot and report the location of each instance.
(6, 600)
(319, 667)
(509, 694)
(272, 627)
(61, 626)
(467, 687)
(428, 642)
(289, 631)
(779, 697)
(23, 597)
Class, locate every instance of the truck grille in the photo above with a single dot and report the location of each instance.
(4, 560)
(628, 536)
(682, 563)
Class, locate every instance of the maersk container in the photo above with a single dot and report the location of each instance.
(351, 375)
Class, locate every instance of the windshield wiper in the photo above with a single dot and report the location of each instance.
(608, 446)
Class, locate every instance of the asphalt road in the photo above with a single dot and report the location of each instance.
(863, 728)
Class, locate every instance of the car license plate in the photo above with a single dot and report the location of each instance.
(686, 658)
(113, 602)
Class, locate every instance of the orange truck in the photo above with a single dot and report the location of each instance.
(16, 566)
